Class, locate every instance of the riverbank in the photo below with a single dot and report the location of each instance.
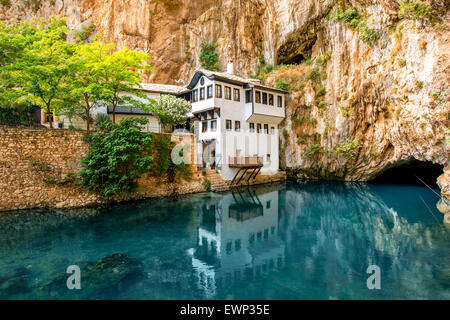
(37, 169)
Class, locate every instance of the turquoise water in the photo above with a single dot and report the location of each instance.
(282, 241)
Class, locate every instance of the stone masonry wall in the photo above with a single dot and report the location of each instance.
(36, 167)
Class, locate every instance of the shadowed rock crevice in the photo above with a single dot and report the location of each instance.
(411, 172)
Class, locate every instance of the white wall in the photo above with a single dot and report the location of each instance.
(241, 143)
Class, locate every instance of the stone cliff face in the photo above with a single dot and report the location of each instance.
(357, 108)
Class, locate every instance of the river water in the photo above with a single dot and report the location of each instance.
(279, 241)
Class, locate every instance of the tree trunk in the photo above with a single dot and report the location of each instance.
(50, 120)
(114, 114)
(88, 120)
(88, 114)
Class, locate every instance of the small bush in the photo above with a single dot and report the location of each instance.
(411, 9)
(321, 92)
(118, 155)
(350, 16)
(208, 56)
(207, 184)
(5, 3)
(281, 84)
(85, 32)
(367, 34)
(313, 75)
(344, 110)
(313, 150)
(101, 117)
(323, 59)
(16, 114)
(419, 84)
(348, 149)
(439, 96)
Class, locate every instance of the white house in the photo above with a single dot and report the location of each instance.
(236, 123)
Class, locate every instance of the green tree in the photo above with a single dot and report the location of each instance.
(118, 155)
(87, 86)
(120, 80)
(208, 56)
(14, 37)
(171, 110)
(40, 71)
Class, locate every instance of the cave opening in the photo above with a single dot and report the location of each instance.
(295, 51)
(298, 59)
(411, 173)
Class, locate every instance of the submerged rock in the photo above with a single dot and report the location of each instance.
(99, 280)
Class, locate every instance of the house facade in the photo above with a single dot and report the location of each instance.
(236, 123)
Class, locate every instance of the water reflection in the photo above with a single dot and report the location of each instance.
(238, 239)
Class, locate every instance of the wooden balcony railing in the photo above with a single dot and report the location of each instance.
(245, 162)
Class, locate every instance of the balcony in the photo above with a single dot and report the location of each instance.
(245, 162)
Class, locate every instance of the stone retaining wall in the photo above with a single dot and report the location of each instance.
(36, 166)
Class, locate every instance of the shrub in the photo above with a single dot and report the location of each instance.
(439, 96)
(411, 9)
(15, 114)
(323, 59)
(313, 75)
(344, 110)
(367, 34)
(118, 155)
(402, 62)
(313, 150)
(85, 32)
(281, 84)
(348, 149)
(208, 56)
(207, 184)
(101, 117)
(356, 21)
(419, 84)
(172, 110)
(350, 16)
(322, 91)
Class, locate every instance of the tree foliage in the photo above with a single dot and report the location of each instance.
(39, 65)
(118, 155)
(171, 110)
(208, 56)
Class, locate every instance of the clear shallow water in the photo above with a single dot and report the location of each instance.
(311, 241)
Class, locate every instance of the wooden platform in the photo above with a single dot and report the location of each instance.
(245, 162)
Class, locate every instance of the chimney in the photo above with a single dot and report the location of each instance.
(230, 68)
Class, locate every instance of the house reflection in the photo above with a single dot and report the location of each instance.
(237, 239)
